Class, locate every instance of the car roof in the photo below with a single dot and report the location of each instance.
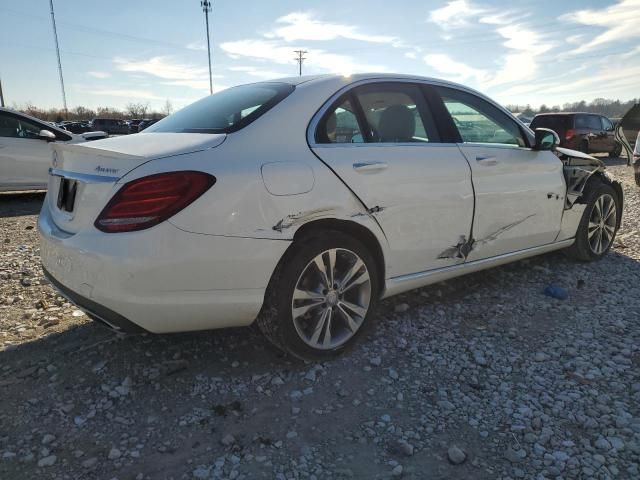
(336, 82)
(356, 77)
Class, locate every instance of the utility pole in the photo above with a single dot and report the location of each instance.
(1, 95)
(300, 58)
(55, 37)
(206, 8)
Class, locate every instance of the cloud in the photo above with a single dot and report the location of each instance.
(303, 26)
(99, 74)
(162, 67)
(523, 45)
(282, 53)
(124, 93)
(614, 72)
(198, 45)
(196, 84)
(575, 39)
(258, 72)
(455, 14)
(172, 72)
(456, 71)
(520, 63)
(276, 45)
(620, 21)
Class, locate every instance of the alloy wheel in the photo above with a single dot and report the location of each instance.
(602, 224)
(331, 298)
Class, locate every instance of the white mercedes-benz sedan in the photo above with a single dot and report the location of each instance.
(300, 203)
(25, 155)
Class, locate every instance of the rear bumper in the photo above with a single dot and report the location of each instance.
(95, 311)
(162, 279)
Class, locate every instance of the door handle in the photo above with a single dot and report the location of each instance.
(370, 166)
(487, 161)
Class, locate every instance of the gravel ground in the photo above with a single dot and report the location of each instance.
(480, 377)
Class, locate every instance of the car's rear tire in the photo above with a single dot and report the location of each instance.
(599, 224)
(316, 312)
(617, 150)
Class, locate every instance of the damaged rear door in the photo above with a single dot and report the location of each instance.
(381, 140)
(519, 191)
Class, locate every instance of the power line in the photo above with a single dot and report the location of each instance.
(55, 36)
(300, 58)
(97, 31)
(206, 8)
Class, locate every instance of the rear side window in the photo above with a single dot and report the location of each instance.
(340, 125)
(395, 113)
(478, 121)
(226, 111)
(378, 113)
(557, 123)
(590, 122)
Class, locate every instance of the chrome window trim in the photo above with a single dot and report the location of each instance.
(82, 177)
(315, 120)
(383, 145)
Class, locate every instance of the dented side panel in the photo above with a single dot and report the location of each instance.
(519, 198)
(579, 169)
(420, 194)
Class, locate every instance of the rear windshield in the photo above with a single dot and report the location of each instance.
(554, 122)
(226, 111)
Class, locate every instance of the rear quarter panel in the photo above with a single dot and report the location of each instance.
(239, 204)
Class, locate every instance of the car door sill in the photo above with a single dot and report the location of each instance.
(411, 281)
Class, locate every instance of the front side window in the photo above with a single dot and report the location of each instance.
(226, 111)
(395, 113)
(478, 121)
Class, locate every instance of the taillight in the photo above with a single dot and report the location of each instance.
(148, 201)
(568, 135)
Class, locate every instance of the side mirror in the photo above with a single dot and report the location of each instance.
(46, 135)
(546, 139)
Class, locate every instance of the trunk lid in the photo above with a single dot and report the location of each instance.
(84, 176)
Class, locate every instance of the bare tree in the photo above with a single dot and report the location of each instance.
(137, 110)
(83, 113)
(168, 107)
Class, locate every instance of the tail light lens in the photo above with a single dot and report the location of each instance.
(148, 201)
(568, 135)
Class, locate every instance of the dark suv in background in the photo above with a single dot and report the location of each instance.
(587, 132)
(110, 125)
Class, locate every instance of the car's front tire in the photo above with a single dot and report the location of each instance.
(321, 297)
(599, 224)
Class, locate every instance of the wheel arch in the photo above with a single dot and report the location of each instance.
(354, 229)
(617, 187)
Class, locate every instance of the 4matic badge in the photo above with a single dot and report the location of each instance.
(106, 170)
